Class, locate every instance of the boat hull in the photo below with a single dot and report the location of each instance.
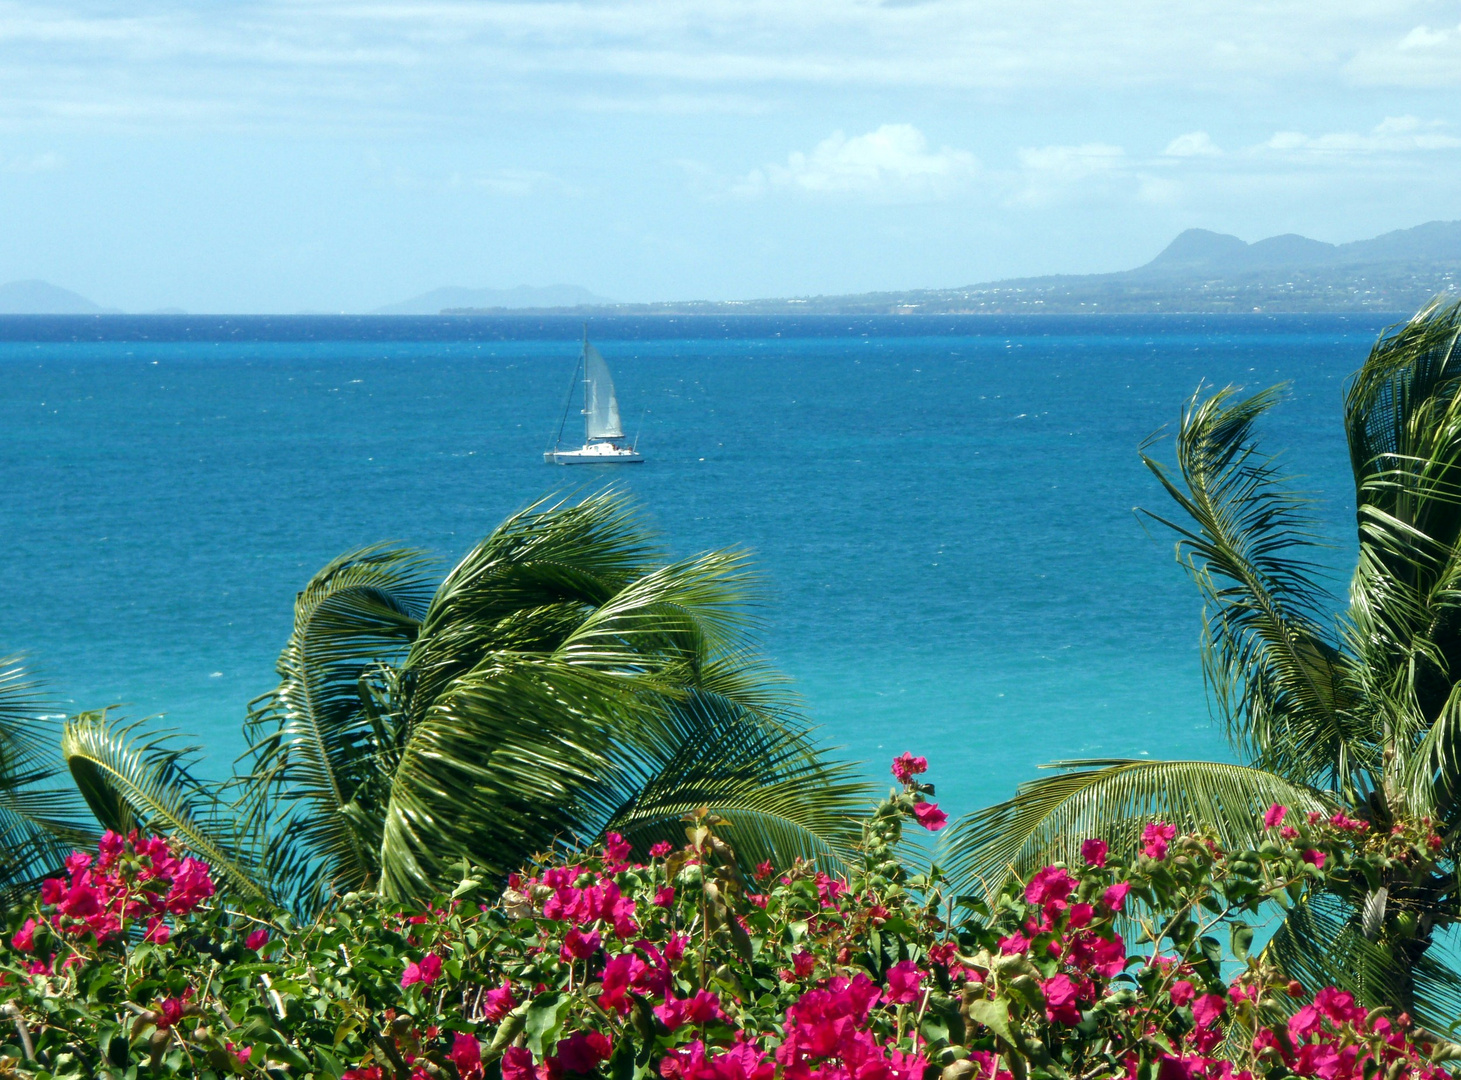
(594, 454)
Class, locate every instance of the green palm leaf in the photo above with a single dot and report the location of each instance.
(40, 822)
(1281, 686)
(1048, 818)
(315, 739)
(146, 783)
(763, 774)
(497, 768)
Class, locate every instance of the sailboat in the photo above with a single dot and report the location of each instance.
(603, 432)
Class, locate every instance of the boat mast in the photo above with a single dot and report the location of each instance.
(583, 363)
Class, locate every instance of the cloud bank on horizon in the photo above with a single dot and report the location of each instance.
(340, 155)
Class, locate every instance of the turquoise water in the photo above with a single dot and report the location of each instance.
(941, 510)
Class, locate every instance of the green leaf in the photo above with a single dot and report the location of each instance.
(543, 1023)
(1241, 935)
(993, 1014)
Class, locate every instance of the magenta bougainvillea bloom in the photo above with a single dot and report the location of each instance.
(905, 983)
(497, 1003)
(616, 848)
(906, 767)
(930, 816)
(1274, 816)
(1051, 883)
(1155, 838)
(425, 972)
(1094, 852)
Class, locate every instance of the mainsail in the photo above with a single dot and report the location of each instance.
(600, 406)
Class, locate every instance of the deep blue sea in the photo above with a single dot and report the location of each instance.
(941, 508)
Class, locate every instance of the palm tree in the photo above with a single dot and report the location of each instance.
(562, 681)
(41, 819)
(1359, 712)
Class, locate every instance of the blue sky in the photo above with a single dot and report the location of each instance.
(338, 155)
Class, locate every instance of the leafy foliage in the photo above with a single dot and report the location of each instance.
(693, 965)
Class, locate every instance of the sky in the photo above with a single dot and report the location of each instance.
(332, 155)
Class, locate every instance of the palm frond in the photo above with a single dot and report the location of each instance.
(496, 769)
(40, 822)
(782, 798)
(1282, 687)
(133, 780)
(527, 587)
(1049, 817)
(315, 739)
(1321, 942)
(1403, 420)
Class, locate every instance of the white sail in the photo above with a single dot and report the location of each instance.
(600, 406)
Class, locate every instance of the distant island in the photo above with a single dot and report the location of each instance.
(1198, 272)
(453, 298)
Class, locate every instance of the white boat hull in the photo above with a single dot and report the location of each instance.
(601, 453)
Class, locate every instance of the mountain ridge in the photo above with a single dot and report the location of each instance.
(1198, 272)
(35, 297)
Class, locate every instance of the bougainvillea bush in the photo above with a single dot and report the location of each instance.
(682, 964)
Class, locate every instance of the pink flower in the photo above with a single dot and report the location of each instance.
(168, 1012)
(930, 816)
(1109, 957)
(1115, 896)
(241, 1054)
(660, 849)
(583, 1050)
(1315, 858)
(616, 848)
(1080, 916)
(579, 946)
(191, 885)
(258, 939)
(498, 1003)
(1182, 993)
(1094, 852)
(1015, 943)
(517, 1064)
(1061, 1004)
(1288, 832)
(426, 972)
(764, 870)
(157, 931)
(699, 1009)
(466, 1055)
(906, 767)
(664, 897)
(1051, 883)
(905, 983)
(1275, 815)
(1207, 1009)
(1155, 838)
(803, 963)
(24, 939)
(829, 889)
(109, 848)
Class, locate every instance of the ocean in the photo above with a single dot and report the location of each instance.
(940, 508)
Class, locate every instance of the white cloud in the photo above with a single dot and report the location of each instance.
(1422, 57)
(1193, 144)
(892, 162)
(1393, 135)
(32, 163)
(370, 64)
